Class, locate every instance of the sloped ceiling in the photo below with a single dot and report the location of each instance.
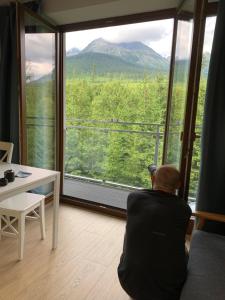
(70, 11)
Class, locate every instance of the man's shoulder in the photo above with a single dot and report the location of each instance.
(147, 197)
(139, 194)
(145, 194)
(136, 198)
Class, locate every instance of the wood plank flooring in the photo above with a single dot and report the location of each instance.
(84, 266)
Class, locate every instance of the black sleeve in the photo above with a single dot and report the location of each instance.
(132, 202)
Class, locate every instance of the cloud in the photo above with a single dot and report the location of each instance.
(209, 33)
(144, 32)
(40, 47)
(184, 40)
(36, 70)
(39, 54)
(156, 34)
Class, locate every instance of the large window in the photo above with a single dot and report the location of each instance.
(116, 99)
(125, 101)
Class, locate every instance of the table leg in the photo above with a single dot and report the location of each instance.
(55, 211)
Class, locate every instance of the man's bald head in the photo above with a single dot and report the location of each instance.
(166, 178)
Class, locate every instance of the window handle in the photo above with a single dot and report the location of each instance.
(181, 136)
(196, 136)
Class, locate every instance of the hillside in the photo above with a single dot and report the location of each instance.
(103, 64)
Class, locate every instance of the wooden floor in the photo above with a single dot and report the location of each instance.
(84, 266)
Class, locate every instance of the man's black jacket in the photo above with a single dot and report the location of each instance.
(153, 263)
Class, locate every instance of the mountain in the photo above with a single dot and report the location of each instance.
(102, 64)
(135, 53)
(182, 68)
(132, 60)
(134, 46)
(72, 52)
(101, 57)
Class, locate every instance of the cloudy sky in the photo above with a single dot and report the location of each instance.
(156, 34)
(39, 54)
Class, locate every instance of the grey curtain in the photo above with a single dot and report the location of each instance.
(9, 107)
(211, 195)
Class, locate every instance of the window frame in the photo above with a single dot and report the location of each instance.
(204, 9)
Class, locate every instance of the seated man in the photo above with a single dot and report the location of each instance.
(153, 263)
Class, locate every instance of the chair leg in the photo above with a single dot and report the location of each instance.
(21, 235)
(42, 218)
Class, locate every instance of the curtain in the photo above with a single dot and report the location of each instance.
(211, 194)
(9, 106)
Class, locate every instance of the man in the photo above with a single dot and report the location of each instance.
(153, 263)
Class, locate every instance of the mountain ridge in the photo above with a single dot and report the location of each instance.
(134, 56)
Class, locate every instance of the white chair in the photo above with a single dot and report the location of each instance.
(18, 208)
(8, 151)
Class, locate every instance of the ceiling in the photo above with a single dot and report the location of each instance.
(70, 11)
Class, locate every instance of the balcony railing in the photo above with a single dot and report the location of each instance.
(152, 130)
(112, 151)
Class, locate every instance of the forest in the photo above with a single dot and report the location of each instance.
(114, 126)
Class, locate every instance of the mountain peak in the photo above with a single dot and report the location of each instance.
(135, 45)
(72, 52)
(136, 52)
(100, 40)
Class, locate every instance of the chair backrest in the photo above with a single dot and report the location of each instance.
(7, 148)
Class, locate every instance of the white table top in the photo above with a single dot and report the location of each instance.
(37, 178)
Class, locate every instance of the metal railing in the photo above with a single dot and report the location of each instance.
(108, 127)
(157, 132)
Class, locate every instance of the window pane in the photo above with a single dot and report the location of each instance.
(179, 92)
(40, 93)
(116, 96)
(208, 39)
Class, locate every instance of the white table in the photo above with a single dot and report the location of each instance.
(37, 178)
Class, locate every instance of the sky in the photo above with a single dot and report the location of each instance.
(39, 54)
(39, 47)
(209, 31)
(155, 34)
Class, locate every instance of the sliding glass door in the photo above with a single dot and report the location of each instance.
(126, 103)
(115, 107)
